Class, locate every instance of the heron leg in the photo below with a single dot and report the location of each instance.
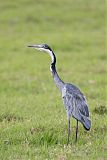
(68, 130)
(76, 131)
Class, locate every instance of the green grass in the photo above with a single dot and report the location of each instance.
(33, 122)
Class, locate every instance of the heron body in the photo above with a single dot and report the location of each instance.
(74, 101)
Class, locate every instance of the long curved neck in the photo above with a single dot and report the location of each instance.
(58, 81)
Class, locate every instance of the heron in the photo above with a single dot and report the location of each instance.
(74, 100)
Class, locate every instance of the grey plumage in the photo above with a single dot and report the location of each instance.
(74, 101)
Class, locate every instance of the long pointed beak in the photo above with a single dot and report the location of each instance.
(35, 46)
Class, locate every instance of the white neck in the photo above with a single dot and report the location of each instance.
(51, 55)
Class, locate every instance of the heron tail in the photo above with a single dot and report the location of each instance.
(86, 123)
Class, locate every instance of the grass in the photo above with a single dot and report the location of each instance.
(33, 122)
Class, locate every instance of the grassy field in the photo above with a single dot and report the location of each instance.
(33, 122)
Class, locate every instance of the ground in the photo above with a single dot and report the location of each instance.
(33, 121)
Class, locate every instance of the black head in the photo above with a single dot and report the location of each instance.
(46, 48)
(41, 47)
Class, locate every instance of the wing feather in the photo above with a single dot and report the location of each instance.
(76, 105)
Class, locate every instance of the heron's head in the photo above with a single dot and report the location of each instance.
(41, 47)
(46, 48)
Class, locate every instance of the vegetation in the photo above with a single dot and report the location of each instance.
(33, 122)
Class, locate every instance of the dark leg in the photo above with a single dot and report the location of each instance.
(76, 132)
(68, 130)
